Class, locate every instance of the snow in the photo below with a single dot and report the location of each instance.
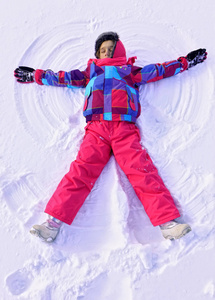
(111, 251)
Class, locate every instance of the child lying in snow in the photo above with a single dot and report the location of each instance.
(111, 109)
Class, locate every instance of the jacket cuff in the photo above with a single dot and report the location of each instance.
(38, 75)
(184, 63)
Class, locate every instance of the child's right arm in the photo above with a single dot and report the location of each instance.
(72, 79)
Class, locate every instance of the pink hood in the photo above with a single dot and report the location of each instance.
(119, 57)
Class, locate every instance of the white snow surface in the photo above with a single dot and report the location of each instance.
(111, 251)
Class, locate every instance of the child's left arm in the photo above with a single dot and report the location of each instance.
(155, 72)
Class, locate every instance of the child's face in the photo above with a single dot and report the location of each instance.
(106, 49)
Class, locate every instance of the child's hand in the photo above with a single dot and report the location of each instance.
(195, 57)
(24, 74)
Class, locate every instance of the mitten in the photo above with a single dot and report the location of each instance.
(24, 74)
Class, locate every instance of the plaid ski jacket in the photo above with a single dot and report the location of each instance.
(112, 84)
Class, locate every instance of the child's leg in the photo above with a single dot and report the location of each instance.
(75, 186)
(143, 175)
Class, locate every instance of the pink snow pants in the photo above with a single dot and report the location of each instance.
(101, 140)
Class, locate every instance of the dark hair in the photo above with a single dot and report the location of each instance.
(105, 36)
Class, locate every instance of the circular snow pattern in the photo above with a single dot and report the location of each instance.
(172, 107)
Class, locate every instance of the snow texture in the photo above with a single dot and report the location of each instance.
(111, 251)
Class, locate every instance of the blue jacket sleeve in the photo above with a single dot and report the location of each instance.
(155, 72)
(72, 79)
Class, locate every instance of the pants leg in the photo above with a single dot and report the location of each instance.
(75, 186)
(143, 175)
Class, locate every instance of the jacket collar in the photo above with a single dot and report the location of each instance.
(118, 61)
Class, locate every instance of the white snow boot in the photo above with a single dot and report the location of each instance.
(174, 230)
(48, 230)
